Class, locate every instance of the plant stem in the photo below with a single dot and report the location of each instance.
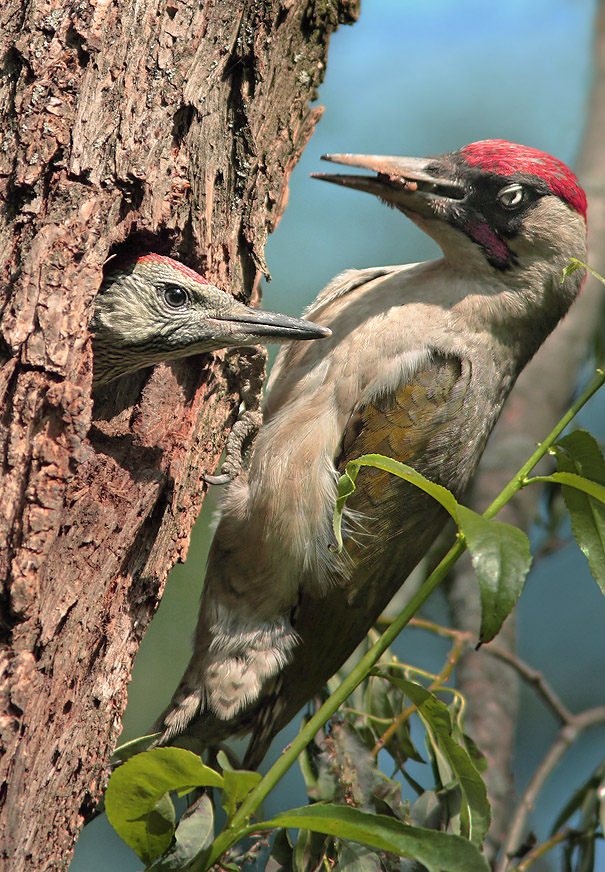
(519, 480)
(240, 823)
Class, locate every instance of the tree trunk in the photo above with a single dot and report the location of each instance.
(164, 127)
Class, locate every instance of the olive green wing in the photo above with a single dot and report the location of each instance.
(418, 424)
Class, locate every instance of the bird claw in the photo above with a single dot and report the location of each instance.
(238, 451)
(217, 479)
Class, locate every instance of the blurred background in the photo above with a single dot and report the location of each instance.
(419, 78)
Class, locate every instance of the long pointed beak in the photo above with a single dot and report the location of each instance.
(402, 181)
(257, 325)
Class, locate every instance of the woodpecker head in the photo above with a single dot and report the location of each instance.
(492, 204)
(154, 308)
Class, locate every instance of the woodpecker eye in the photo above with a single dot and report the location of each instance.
(175, 296)
(511, 196)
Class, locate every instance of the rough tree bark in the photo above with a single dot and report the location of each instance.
(540, 397)
(173, 127)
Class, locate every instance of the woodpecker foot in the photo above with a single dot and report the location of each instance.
(238, 451)
(217, 479)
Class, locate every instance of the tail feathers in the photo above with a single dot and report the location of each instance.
(228, 675)
(241, 660)
(187, 702)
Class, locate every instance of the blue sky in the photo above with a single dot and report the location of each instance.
(416, 78)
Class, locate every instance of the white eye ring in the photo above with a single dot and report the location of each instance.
(511, 196)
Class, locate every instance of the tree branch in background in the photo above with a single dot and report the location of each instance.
(541, 393)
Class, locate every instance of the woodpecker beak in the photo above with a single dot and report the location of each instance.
(404, 182)
(255, 325)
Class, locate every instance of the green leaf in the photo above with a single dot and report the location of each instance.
(439, 852)
(501, 559)
(592, 785)
(571, 267)
(223, 760)
(579, 453)
(475, 810)
(193, 834)
(346, 486)
(386, 797)
(353, 857)
(135, 803)
(135, 746)
(238, 784)
(571, 480)
(309, 851)
(281, 851)
(584, 455)
(575, 264)
(475, 753)
(380, 704)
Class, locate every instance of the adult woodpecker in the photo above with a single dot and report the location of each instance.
(419, 364)
(153, 308)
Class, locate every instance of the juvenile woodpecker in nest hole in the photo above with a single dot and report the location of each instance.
(153, 309)
(419, 364)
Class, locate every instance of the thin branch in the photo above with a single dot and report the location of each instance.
(437, 684)
(565, 738)
(573, 726)
(532, 676)
(440, 630)
(539, 851)
(535, 679)
(463, 638)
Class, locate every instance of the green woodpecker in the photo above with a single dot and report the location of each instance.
(153, 308)
(419, 363)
